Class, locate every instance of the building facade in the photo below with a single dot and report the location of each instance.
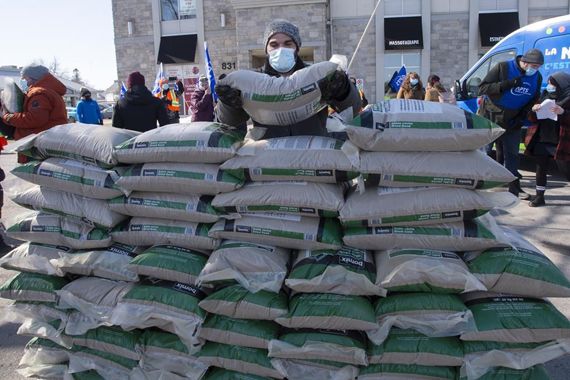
(444, 37)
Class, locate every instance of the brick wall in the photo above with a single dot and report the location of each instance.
(221, 40)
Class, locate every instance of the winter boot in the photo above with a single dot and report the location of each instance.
(516, 189)
(538, 199)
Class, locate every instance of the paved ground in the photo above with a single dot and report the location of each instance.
(547, 227)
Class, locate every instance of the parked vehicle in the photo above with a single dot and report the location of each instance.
(107, 112)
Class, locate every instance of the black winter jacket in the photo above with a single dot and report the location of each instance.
(139, 110)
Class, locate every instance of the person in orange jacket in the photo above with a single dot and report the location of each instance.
(44, 106)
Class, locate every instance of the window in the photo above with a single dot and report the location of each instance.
(177, 9)
(402, 7)
(474, 80)
(394, 61)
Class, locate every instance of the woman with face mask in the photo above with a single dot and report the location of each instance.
(412, 87)
(282, 42)
(550, 138)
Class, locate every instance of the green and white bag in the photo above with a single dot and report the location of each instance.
(171, 306)
(185, 207)
(333, 311)
(348, 271)
(237, 302)
(216, 373)
(307, 344)
(84, 375)
(287, 232)
(32, 287)
(414, 125)
(52, 330)
(241, 359)
(109, 366)
(424, 270)
(480, 233)
(393, 206)
(512, 319)
(239, 332)
(470, 170)
(90, 211)
(411, 347)
(89, 143)
(406, 371)
(198, 142)
(521, 269)
(314, 369)
(58, 230)
(482, 357)
(34, 257)
(294, 158)
(111, 263)
(171, 263)
(296, 198)
(537, 372)
(153, 231)
(182, 178)
(112, 340)
(283, 100)
(72, 177)
(39, 351)
(165, 351)
(95, 299)
(434, 315)
(255, 267)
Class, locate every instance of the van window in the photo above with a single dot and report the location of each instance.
(474, 80)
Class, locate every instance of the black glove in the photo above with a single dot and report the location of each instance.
(508, 84)
(229, 96)
(335, 87)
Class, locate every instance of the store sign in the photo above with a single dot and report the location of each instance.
(493, 27)
(403, 33)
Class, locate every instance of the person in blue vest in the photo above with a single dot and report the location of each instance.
(509, 91)
(88, 111)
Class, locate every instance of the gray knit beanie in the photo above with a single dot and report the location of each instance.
(34, 72)
(281, 26)
(533, 56)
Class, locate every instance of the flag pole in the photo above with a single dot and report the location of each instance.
(363, 34)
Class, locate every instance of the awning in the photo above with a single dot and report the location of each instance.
(493, 27)
(403, 33)
(177, 49)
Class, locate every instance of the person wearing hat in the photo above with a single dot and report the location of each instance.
(201, 101)
(509, 91)
(139, 110)
(43, 106)
(88, 110)
(282, 42)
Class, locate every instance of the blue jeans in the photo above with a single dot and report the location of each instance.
(510, 141)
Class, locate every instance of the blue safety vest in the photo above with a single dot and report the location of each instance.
(518, 97)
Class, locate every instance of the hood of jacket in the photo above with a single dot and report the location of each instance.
(139, 95)
(52, 83)
(562, 79)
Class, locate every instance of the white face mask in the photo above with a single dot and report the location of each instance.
(413, 82)
(282, 59)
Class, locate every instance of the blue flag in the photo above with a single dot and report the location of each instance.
(160, 78)
(123, 90)
(210, 72)
(397, 79)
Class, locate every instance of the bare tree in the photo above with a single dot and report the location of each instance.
(76, 77)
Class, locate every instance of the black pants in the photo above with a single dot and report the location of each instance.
(541, 171)
(2, 176)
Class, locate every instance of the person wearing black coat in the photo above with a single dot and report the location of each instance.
(139, 110)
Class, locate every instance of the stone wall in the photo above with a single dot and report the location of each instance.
(136, 52)
(449, 47)
(221, 40)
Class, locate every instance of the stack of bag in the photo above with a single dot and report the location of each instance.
(449, 270)
(186, 253)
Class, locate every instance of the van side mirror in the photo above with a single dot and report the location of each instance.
(458, 90)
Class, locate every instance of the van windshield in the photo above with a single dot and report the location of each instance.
(474, 80)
